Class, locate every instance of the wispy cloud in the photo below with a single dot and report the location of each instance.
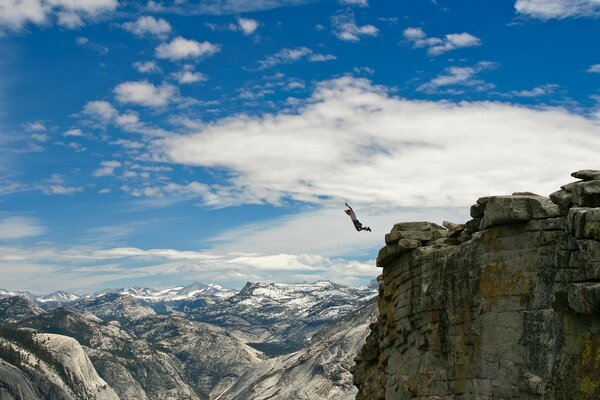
(460, 77)
(85, 42)
(543, 90)
(361, 3)
(346, 29)
(17, 227)
(221, 7)
(289, 56)
(436, 46)
(558, 9)
(594, 69)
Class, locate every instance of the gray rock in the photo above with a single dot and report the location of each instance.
(483, 200)
(586, 174)
(587, 193)
(569, 186)
(584, 222)
(416, 226)
(395, 236)
(562, 198)
(389, 252)
(584, 298)
(464, 236)
(511, 312)
(518, 208)
(451, 225)
(477, 210)
(472, 226)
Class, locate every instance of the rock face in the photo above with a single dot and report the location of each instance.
(506, 306)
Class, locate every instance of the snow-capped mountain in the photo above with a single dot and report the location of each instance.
(11, 293)
(58, 297)
(194, 290)
(280, 318)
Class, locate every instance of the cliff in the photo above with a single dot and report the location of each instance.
(504, 306)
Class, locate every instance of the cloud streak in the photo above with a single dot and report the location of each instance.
(558, 9)
(289, 56)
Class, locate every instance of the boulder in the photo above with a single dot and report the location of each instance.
(586, 193)
(451, 225)
(518, 208)
(473, 225)
(395, 236)
(391, 251)
(587, 174)
(477, 210)
(562, 198)
(416, 226)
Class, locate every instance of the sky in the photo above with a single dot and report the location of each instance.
(157, 143)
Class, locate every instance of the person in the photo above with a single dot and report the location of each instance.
(359, 227)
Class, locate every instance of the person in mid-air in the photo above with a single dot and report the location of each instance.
(359, 227)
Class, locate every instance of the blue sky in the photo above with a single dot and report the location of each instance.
(160, 143)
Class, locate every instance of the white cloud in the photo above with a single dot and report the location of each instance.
(361, 3)
(289, 56)
(85, 42)
(558, 9)
(222, 7)
(186, 77)
(60, 190)
(85, 267)
(537, 91)
(19, 227)
(460, 76)
(145, 93)
(107, 168)
(75, 132)
(101, 110)
(35, 127)
(345, 27)
(71, 14)
(354, 142)
(594, 69)
(247, 25)
(39, 137)
(148, 26)
(147, 67)
(181, 48)
(436, 46)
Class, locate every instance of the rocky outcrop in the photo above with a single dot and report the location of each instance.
(506, 305)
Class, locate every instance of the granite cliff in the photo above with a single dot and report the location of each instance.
(506, 305)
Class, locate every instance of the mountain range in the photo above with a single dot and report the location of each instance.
(190, 342)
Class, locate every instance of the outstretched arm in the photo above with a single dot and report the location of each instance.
(348, 206)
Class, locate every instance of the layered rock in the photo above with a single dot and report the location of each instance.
(505, 306)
